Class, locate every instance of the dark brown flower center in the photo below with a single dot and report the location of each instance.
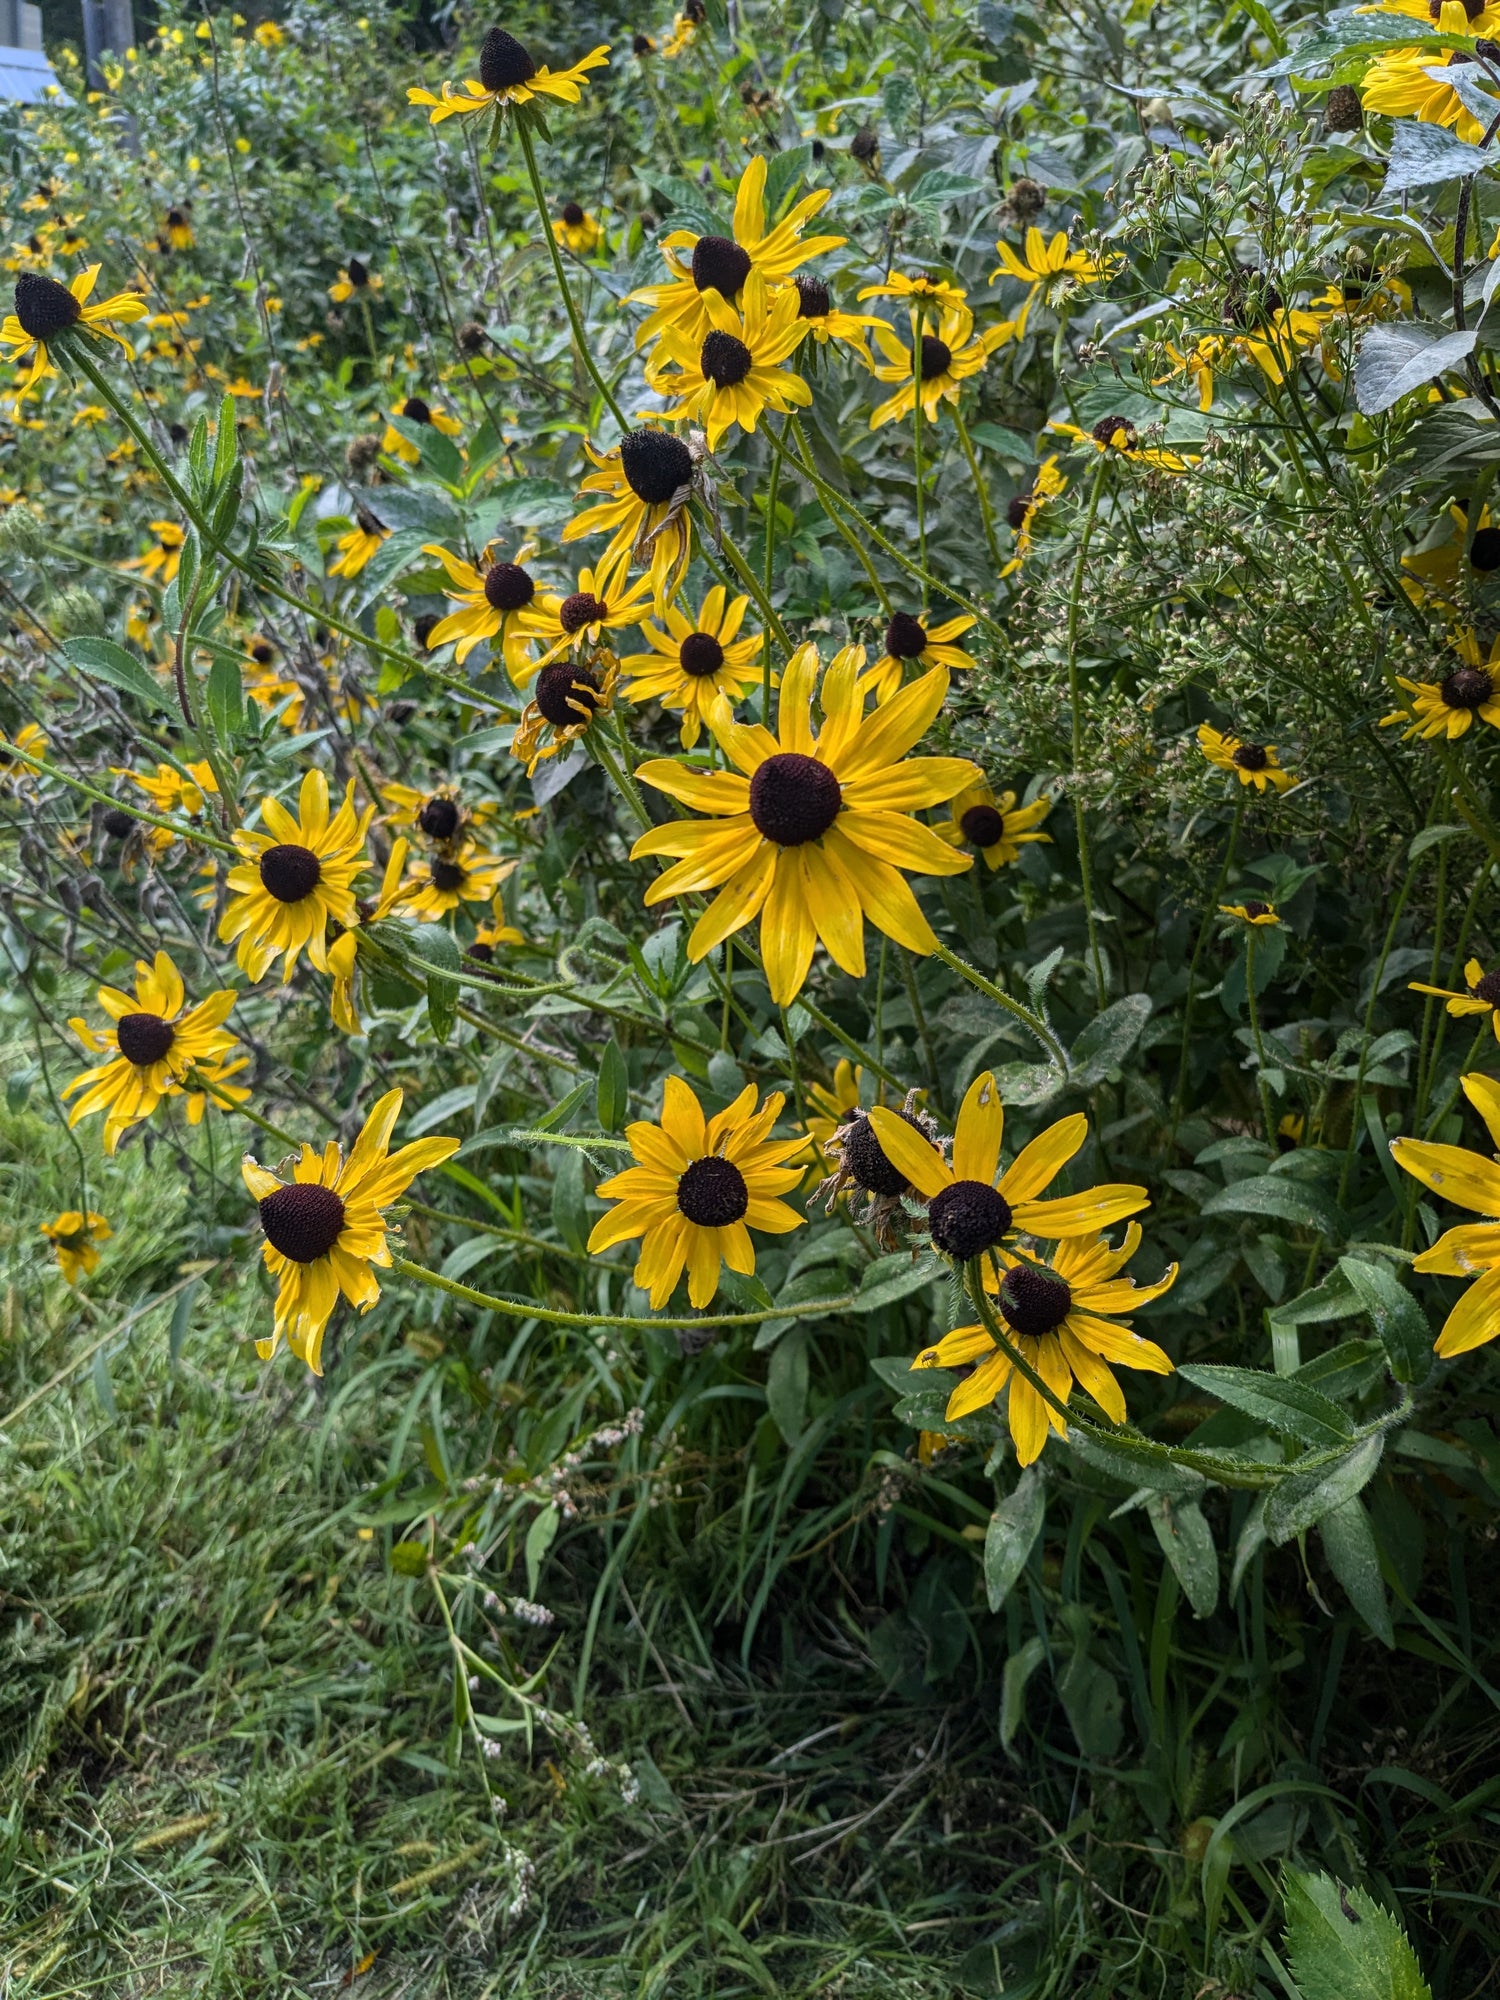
(302, 1221)
(1468, 687)
(1018, 507)
(565, 695)
(43, 306)
(572, 214)
(144, 1038)
(508, 587)
(725, 360)
(176, 218)
(983, 826)
(1034, 1302)
(1251, 756)
(117, 824)
(439, 817)
(905, 636)
(866, 1161)
(485, 953)
(1487, 989)
(1256, 909)
(447, 877)
(701, 655)
(794, 799)
(937, 357)
(416, 410)
(712, 1193)
(1108, 429)
(719, 265)
(423, 628)
(581, 609)
(504, 63)
(1484, 550)
(290, 872)
(967, 1219)
(359, 273)
(656, 465)
(263, 652)
(367, 523)
(813, 297)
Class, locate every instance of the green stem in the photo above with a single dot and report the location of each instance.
(916, 429)
(1075, 601)
(580, 342)
(928, 1052)
(1034, 1022)
(119, 805)
(727, 547)
(1262, 1088)
(981, 492)
(1190, 998)
(804, 459)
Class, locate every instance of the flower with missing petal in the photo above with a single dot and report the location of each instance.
(152, 1045)
(1062, 1318)
(1258, 915)
(910, 642)
(295, 880)
(698, 1187)
(357, 544)
(508, 74)
(496, 601)
(567, 698)
(1051, 270)
(1481, 994)
(1024, 508)
(950, 352)
(1449, 707)
(47, 314)
(646, 482)
(326, 1230)
(416, 410)
(163, 559)
(810, 832)
(355, 281)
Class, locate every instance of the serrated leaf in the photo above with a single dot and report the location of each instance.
(1283, 1405)
(1011, 1535)
(1394, 1313)
(1342, 1945)
(105, 661)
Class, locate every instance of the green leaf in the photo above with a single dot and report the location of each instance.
(409, 1558)
(1018, 1671)
(569, 1200)
(1422, 154)
(1394, 360)
(439, 947)
(1187, 1543)
(226, 699)
(539, 1538)
(1342, 1945)
(1135, 1465)
(104, 1388)
(1349, 1544)
(1011, 1535)
(1394, 1313)
(1260, 14)
(1106, 1041)
(786, 1385)
(897, 1277)
(562, 1111)
(106, 661)
(182, 1314)
(612, 1091)
(1278, 1195)
(1285, 1406)
(1302, 1500)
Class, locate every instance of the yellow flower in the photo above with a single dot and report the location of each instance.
(417, 410)
(444, 882)
(30, 739)
(1471, 1181)
(810, 832)
(907, 639)
(73, 1236)
(684, 26)
(731, 373)
(508, 74)
(295, 880)
(604, 601)
(1051, 270)
(1274, 347)
(177, 230)
(949, 357)
(170, 791)
(270, 34)
(695, 661)
(150, 1049)
(825, 321)
(482, 950)
(829, 1109)
(565, 700)
(1482, 994)
(722, 264)
(577, 231)
(1397, 85)
(325, 1229)
(1119, 435)
(343, 953)
(972, 1208)
(1448, 707)
(355, 279)
(47, 311)
(996, 826)
(441, 815)
(1252, 763)
(496, 602)
(1061, 1317)
(646, 479)
(935, 296)
(699, 1186)
(1024, 507)
(1199, 362)
(162, 560)
(1252, 912)
(358, 544)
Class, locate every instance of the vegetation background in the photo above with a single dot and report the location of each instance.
(791, 1714)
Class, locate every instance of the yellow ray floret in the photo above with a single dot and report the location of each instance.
(151, 1047)
(295, 880)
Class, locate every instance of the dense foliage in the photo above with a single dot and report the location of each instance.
(789, 715)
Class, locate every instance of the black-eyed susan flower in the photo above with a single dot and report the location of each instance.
(1051, 270)
(698, 1187)
(495, 601)
(439, 814)
(685, 25)
(357, 544)
(153, 1043)
(934, 297)
(996, 826)
(210, 1082)
(1252, 763)
(1435, 571)
(827, 322)
(47, 313)
(695, 661)
(1198, 364)
(295, 880)
(171, 790)
(1260, 916)
(950, 353)
(878, 1189)
(566, 699)
(603, 600)
(355, 281)
(74, 1237)
(577, 230)
(974, 1210)
(646, 482)
(830, 1106)
(1062, 1317)
(441, 883)
(722, 263)
(1449, 707)
(163, 559)
(1274, 346)
(1023, 508)
(176, 229)
(417, 410)
(1472, 1181)
(326, 1230)
(1397, 84)
(489, 938)
(910, 642)
(734, 371)
(30, 739)
(810, 832)
(1119, 435)
(1481, 994)
(508, 74)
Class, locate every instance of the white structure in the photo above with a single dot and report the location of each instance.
(24, 71)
